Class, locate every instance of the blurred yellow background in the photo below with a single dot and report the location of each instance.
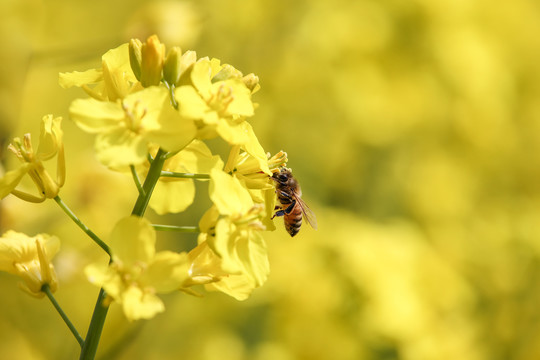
(413, 127)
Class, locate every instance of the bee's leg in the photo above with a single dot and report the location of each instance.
(282, 211)
(278, 213)
(290, 207)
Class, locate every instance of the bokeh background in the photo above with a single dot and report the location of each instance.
(414, 128)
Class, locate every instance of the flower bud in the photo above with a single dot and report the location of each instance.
(176, 65)
(135, 57)
(153, 54)
(171, 67)
(252, 82)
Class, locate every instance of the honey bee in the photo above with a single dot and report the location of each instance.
(292, 206)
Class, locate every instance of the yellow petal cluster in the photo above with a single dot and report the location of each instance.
(137, 273)
(50, 145)
(30, 259)
(231, 256)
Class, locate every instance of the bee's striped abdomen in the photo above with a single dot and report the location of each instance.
(293, 221)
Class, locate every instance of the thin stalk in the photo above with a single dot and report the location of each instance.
(149, 183)
(171, 88)
(184, 175)
(91, 342)
(136, 179)
(47, 290)
(185, 229)
(84, 228)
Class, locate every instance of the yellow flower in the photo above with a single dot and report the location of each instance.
(172, 194)
(50, 145)
(115, 80)
(126, 129)
(205, 266)
(206, 269)
(219, 106)
(30, 259)
(137, 273)
(232, 229)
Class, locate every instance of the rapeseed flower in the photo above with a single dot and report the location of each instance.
(232, 228)
(50, 145)
(137, 273)
(114, 81)
(126, 129)
(206, 269)
(218, 104)
(30, 259)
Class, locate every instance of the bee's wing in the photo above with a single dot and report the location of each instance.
(307, 212)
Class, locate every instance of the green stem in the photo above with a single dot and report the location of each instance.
(84, 228)
(171, 88)
(47, 290)
(184, 175)
(100, 311)
(91, 342)
(185, 229)
(149, 183)
(136, 179)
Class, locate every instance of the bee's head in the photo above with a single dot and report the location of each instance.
(283, 175)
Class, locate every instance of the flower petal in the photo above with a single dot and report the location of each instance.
(12, 178)
(95, 116)
(133, 240)
(172, 196)
(121, 148)
(50, 139)
(167, 272)
(201, 77)
(234, 134)
(254, 148)
(175, 131)
(104, 276)
(237, 286)
(77, 78)
(140, 305)
(228, 194)
(117, 74)
(15, 247)
(241, 104)
(190, 103)
(195, 158)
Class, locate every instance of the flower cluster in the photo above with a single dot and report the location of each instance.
(151, 112)
(30, 259)
(50, 146)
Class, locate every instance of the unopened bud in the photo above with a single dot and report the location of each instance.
(171, 67)
(153, 54)
(252, 82)
(135, 57)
